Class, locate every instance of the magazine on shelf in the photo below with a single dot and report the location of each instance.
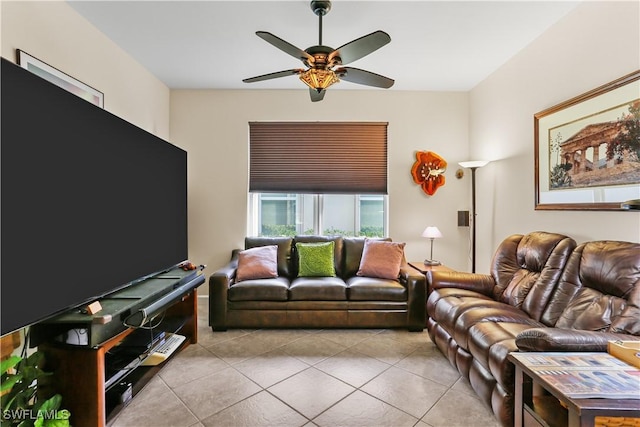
(584, 375)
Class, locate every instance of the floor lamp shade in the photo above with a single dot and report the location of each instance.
(473, 165)
(431, 233)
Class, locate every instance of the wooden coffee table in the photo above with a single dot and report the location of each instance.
(575, 390)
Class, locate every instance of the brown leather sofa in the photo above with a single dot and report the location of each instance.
(288, 301)
(542, 294)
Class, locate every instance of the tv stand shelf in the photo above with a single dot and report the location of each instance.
(80, 371)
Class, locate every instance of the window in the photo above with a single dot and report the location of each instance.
(281, 214)
(318, 178)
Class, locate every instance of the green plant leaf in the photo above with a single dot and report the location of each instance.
(10, 381)
(35, 359)
(22, 388)
(51, 404)
(12, 361)
(57, 423)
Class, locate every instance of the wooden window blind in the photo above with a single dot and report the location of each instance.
(318, 157)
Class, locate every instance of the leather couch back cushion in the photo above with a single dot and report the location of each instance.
(629, 320)
(600, 288)
(284, 250)
(526, 269)
(590, 310)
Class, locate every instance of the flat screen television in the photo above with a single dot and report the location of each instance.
(90, 202)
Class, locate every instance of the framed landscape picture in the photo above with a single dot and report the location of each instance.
(60, 79)
(587, 149)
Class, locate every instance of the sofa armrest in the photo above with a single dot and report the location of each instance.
(557, 339)
(219, 283)
(481, 283)
(416, 285)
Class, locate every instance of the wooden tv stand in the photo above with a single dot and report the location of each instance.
(80, 371)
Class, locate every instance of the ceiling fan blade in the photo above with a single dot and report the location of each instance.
(360, 47)
(273, 75)
(285, 46)
(356, 75)
(315, 95)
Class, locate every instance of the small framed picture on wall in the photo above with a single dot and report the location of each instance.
(60, 79)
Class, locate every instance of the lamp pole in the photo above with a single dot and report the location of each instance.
(473, 165)
(473, 219)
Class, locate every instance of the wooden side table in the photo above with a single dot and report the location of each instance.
(562, 394)
(424, 268)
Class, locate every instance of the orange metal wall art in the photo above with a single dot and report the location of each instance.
(428, 171)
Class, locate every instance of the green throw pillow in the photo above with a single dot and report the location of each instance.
(315, 259)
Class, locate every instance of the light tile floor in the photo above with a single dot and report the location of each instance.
(306, 378)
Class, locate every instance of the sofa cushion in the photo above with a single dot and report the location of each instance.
(285, 245)
(590, 310)
(318, 288)
(260, 290)
(503, 313)
(315, 259)
(258, 263)
(527, 267)
(600, 288)
(375, 289)
(484, 336)
(381, 259)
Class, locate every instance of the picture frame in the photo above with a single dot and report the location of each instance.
(59, 78)
(587, 149)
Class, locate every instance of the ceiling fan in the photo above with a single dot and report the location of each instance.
(325, 65)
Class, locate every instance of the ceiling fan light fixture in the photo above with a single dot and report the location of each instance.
(324, 65)
(319, 79)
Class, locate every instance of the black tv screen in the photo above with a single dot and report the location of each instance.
(90, 202)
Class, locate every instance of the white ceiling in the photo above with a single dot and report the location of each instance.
(435, 45)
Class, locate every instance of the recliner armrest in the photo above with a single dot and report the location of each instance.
(481, 283)
(558, 339)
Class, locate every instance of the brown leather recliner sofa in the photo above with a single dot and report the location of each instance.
(289, 301)
(542, 294)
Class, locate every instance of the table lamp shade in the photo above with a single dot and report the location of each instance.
(432, 233)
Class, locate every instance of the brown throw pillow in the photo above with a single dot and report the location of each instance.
(381, 259)
(260, 262)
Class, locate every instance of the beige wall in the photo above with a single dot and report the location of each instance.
(593, 45)
(213, 127)
(56, 34)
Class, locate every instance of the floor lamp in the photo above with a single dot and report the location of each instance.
(473, 165)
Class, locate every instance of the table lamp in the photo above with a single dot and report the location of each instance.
(431, 233)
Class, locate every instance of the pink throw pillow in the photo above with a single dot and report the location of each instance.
(260, 262)
(381, 259)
